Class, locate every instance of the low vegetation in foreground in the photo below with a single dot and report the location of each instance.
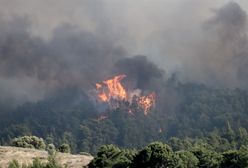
(161, 155)
(213, 151)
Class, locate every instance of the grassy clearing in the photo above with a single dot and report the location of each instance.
(26, 156)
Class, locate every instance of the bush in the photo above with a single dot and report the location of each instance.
(64, 148)
(29, 142)
(51, 149)
(52, 163)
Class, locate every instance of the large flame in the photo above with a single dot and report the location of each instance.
(112, 89)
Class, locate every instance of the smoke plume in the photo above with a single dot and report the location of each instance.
(220, 58)
(34, 67)
(140, 70)
(78, 43)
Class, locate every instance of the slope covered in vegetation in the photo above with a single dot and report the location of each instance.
(196, 111)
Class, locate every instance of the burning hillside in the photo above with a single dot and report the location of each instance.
(113, 92)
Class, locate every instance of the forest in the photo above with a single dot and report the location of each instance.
(217, 117)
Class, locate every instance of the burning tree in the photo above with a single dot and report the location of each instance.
(113, 93)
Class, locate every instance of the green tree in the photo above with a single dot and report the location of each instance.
(231, 159)
(235, 158)
(189, 160)
(110, 156)
(243, 154)
(179, 144)
(156, 155)
(207, 157)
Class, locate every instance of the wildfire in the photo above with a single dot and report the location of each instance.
(112, 89)
(146, 102)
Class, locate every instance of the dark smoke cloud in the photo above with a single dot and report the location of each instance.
(79, 43)
(140, 70)
(71, 58)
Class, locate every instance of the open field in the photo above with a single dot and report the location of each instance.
(26, 156)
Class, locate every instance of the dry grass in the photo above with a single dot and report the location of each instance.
(26, 156)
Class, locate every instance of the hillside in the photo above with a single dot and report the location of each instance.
(191, 110)
(26, 156)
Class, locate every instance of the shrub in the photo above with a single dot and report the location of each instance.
(64, 148)
(29, 142)
(51, 149)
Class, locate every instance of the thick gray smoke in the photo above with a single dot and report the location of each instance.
(220, 56)
(46, 45)
(70, 58)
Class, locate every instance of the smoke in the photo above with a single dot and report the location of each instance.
(221, 54)
(31, 67)
(78, 43)
(140, 70)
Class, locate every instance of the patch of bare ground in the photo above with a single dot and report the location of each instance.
(26, 156)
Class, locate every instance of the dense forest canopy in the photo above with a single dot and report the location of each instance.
(220, 115)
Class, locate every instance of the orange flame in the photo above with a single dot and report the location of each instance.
(146, 102)
(113, 89)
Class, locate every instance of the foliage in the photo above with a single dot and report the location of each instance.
(51, 149)
(110, 156)
(37, 164)
(207, 158)
(14, 164)
(64, 148)
(156, 155)
(29, 142)
(52, 163)
(219, 117)
(188, 159)
(160, 155)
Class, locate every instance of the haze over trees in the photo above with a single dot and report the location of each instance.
(195, 72)
(218, 115)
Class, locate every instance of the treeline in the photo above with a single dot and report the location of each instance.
(208, 152)
(191, 111)
(161, 155)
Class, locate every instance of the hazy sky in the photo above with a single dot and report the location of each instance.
(204, 40)
(134, 22)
